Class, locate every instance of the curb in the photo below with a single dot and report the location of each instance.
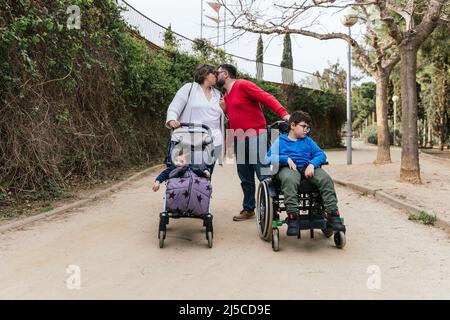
(432, 156)
(392, 201)
(104, 193)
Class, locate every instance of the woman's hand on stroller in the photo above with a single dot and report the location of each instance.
(155, 186)
(309, 171)
(174, 124)
(291, 164)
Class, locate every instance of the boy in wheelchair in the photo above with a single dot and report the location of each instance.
(297, 157)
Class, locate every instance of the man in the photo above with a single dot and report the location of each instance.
(242, 104)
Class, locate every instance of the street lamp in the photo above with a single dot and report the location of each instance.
(349, 20)
(395, 99)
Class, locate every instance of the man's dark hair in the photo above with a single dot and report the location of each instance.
(202, 72)
(299, 116)
(232, 71)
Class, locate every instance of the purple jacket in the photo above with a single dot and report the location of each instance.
(188, 191)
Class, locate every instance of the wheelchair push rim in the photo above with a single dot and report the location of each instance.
(264, 212)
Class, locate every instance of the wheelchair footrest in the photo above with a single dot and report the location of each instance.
(306, 224)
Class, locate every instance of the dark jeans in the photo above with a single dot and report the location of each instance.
(249, 163)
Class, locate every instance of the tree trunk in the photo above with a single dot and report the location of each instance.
(430, 137)
(409, 168)
(442, 105)
(424, 133)
(383, 145)
(441, 135)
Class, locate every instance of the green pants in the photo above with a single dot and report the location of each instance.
(290, 181)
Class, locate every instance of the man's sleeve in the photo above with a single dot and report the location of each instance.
(265, 98)
(317, 154)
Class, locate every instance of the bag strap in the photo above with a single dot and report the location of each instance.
(187, 101)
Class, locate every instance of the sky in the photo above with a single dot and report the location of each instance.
(309, 54)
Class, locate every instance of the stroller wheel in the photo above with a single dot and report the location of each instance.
(339, 239)
(275, 239)
(161, 236)
(209, 236)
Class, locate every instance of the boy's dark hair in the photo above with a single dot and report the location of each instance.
(299, 116)
(232, 71)
(202, 72)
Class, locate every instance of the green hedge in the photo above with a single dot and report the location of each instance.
(370, 135)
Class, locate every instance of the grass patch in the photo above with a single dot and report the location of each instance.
(6, 214)
(423, 217)
(46, 207)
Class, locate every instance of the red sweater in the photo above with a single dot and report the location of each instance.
(244, 109)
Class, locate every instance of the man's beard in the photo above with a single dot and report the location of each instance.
(220, 83)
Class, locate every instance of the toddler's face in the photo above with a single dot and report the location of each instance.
(180, 160)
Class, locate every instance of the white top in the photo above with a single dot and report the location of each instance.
(198, 110)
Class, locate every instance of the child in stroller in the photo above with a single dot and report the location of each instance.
(179, 164)
(188, 189)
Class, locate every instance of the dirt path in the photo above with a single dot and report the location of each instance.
(114, 243)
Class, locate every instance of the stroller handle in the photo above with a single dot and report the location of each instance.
(193, 125)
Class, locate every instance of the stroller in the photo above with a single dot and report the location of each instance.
(188, 192)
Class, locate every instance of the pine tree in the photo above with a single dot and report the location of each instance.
(287, 63)
(259, 59)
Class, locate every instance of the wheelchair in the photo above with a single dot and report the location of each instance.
(270, 206)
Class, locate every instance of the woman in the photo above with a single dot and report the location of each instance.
(198, 102)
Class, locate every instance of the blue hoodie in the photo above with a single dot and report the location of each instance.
(303, 151)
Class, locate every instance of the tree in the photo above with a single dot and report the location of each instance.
(434, 77)
(208, 53)
(287, 63)
(259, 59)
(333, 79)
(170, 41)
(385, 53)
(363, 103)
(408, 42)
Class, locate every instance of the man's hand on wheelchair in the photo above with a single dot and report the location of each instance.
(309, 171)
(291, 164)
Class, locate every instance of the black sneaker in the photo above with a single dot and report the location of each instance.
(293, 225)
(334, 221)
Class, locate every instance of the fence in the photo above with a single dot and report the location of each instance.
(154, 32)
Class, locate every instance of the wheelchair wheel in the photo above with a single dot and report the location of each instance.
(209, 236)
(327, 232)
(339, 239)
(275, 239)
(264, 211)
(161, 236)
